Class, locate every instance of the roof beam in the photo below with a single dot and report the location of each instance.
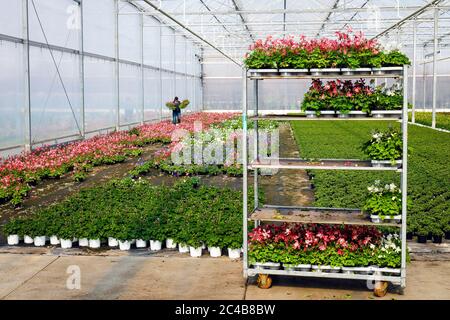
(215, 17)
(168, 16)
(409, 17)
(327, 18)
(242, 19)
(297, 11)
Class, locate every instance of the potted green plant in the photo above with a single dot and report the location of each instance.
(13, 230)
(384, 202)
(385, 148)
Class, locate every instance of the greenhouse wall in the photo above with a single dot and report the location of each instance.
(87, 70)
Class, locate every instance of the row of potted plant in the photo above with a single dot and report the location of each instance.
(322, 248)
(220, 136)
(343, 97)
(19, 173)
(188, 214)
(349, 50)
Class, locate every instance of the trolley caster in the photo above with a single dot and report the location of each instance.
(264, 281)
(380, 289)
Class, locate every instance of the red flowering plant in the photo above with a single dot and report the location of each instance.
(348, 50)
(342, 96)
(18, 173)
(312, 244)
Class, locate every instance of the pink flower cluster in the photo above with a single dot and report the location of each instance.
(314, 236)
(344, 43)
(337, 88)
(17, 171)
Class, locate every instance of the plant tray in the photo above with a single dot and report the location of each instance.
(327, 269)
(376, 219)
(310, 215)
(319, 164)
(267, 265)
(297, 267)
(385, 163)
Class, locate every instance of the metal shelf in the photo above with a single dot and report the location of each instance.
(396, 279)
(329, 73)
(278, 117)
(320, 164)
(309, 215)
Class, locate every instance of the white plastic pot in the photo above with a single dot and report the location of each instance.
(155, 245)
(83, 242)
(112, 242)
(183, 248)
(39, 241)
(215, 252)
(54, 241)
(124, 245)
(66, 244)
(141, 243)
(195, 252)
(94, 243)
(234, 253)
(28, 240)
(171, 244)
(13, 240)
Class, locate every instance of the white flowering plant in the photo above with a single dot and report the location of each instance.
(384, 145)
(383, 201)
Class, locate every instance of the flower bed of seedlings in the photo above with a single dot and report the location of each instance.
(309, 247)
(428, 171)
(345, 96)
(442, 119)
(19, 173)
(123, 211)
(222, 136)
(349, 50)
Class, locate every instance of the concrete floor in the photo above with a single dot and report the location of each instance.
(175, 276)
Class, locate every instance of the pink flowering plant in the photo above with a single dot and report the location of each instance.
(19, 173)
(348, 95)
(348, 50)
(335, 245)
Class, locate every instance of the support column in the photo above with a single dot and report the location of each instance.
(160, 74)
(142, 71)
(435, 52)
(404, 174)
(413, 98)
(26, 58)
(116, 4)
(245, 172)
(83, 106)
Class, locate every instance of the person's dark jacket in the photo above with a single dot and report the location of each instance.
(177, 106)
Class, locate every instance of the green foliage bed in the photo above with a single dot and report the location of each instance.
(189, 213)
(442, 119)
(428, 174)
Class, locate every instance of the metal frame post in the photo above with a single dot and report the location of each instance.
(424, 84)
(116, 4)
(83, 106)
(256, 143)
(404, 175)
(245, 172)
(413, 98)
(142, 71)
(160, 74)
(435, 40)
(26, 56)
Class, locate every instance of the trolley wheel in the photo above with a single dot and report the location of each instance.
(264, 281)
(380, 289)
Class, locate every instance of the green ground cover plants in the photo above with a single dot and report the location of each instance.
(428, 173)
(442, 119)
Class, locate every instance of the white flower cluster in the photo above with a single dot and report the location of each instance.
(391, 244)
(377, 188)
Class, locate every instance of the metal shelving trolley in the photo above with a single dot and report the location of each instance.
(307, 215)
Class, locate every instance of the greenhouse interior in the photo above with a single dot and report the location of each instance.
(273, 150)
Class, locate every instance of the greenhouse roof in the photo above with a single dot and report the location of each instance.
(232, 25)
